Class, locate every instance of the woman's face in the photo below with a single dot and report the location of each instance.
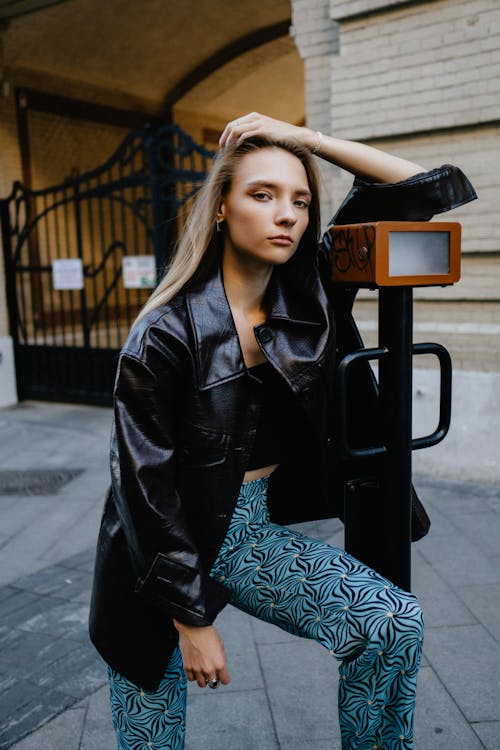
(266, 209)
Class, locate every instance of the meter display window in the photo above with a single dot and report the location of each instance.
(419, 253)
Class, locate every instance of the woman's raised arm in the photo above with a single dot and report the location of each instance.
(357, 158)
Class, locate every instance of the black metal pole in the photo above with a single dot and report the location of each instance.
(395, 381)
(10, 287)
(10, 279)
(79, 250)
(163, 193)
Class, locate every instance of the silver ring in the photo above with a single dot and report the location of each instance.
(213, 684)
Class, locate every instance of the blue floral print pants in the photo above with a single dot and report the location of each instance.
(312, 590)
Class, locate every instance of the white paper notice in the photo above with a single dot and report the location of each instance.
(139, 271)
(67, 273)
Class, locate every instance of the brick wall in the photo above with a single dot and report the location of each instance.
(469, 330)
(10, 161)
(316, 37)
(427, 66)
(342, 9)
(61, 145)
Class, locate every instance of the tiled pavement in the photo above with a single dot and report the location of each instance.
(52, 685)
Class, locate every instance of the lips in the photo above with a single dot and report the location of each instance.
(281, 239)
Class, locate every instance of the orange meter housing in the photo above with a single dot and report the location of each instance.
(396, 253)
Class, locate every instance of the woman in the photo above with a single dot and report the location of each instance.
(223, 431)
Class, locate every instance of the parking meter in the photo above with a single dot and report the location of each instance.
(392, 257)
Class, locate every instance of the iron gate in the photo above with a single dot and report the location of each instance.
(66, 341)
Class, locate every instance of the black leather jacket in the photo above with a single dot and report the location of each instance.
(185, 417)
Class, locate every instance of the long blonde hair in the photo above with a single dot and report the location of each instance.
(200, 244)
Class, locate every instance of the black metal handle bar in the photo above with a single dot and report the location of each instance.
(377, 353)
(444, 395)
(342, 380)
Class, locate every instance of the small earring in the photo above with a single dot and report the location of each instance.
(218, 225)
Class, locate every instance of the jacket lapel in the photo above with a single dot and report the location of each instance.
(298, 316)
(217, 348)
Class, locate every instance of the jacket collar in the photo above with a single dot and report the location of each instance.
(299, 318)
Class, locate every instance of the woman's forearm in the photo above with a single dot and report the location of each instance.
(363, 161)
(360, 159)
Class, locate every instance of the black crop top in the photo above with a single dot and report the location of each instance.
(278, 420)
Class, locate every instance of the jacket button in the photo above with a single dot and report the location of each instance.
(264, 334)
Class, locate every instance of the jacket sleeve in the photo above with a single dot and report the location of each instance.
(417, 198)
(143, 455)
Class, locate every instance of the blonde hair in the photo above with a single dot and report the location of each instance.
(200, 244)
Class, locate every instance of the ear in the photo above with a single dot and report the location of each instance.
(221, 213)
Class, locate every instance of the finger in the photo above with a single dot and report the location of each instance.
(201, 679)
(240, 133)
(234, 131)
(269, 128)
(224, 676)
(236, 127)
(249, 134)
(228, 132)
(190, 675)
(223, 138)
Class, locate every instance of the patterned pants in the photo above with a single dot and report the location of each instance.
(315, 591)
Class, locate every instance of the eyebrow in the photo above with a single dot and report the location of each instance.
(273, 186)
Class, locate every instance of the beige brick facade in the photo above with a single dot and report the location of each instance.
(316, 37)
(348, 8)
(62, 147)
(418, 68)
(10, 158)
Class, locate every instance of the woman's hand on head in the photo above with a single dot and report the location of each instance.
(255, 124)
(203, 654)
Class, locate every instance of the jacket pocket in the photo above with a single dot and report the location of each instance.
(202, 448)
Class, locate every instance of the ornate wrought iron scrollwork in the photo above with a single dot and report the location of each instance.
(129, 205)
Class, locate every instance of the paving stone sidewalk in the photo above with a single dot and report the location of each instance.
(53, 691)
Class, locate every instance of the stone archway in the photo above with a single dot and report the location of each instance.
(209, 58)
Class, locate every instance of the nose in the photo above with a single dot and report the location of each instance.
(285, 213)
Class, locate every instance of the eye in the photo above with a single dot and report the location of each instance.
(301, 203)
(261, 196)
